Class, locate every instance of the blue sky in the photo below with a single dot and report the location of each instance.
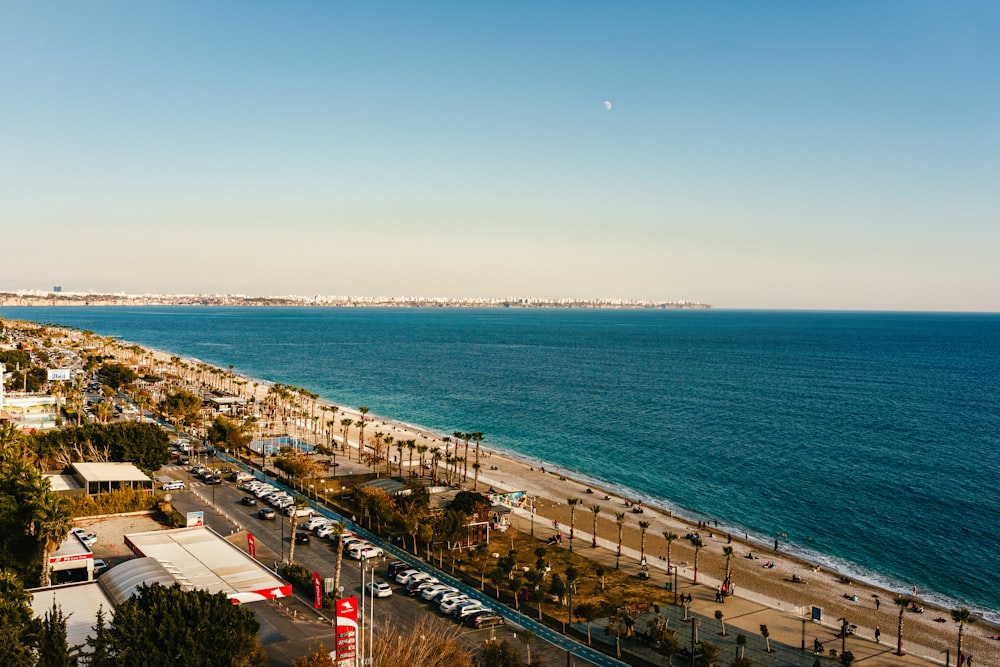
(757, 155)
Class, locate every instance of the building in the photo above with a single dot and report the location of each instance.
(194, 558)
(93, 478)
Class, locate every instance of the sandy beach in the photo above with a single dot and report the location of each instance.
(778, 600)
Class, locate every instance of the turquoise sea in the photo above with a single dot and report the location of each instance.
(872, 440)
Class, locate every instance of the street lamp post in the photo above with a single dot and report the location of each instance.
(843, 635)
(674, 568)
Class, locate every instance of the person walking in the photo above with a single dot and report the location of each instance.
(878, 634)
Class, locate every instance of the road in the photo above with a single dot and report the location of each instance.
(273, 540)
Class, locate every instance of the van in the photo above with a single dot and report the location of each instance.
(240, 476)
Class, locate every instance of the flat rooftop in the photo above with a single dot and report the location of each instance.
(118, 472)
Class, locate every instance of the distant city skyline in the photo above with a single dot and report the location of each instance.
(744, 155)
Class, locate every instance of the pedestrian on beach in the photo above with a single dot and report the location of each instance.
(878, 633)
(878, 603)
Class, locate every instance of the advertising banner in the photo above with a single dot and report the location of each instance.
(346, 631)
(317, 591)
(58, 374)
(195, 519)
(251, 545)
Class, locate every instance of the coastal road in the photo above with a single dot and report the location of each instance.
(320, 556)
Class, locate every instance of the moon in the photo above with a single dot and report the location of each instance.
(607, 104)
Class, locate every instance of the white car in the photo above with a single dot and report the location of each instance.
(450, 604)
(379, 589)
(100, 566)
(404, 576)
(364, 552)
(173, 485)
(316, 522)
(324, 530)
(432, 591)
(469, 608)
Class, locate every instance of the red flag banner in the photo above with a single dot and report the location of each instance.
(251, 545)
(317, 591)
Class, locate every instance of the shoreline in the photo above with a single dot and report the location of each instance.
(517, 472)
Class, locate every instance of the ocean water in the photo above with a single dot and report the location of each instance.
(870, 440)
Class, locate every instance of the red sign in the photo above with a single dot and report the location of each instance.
(251, 545)
(67, 559)
(317, 591)
(347, 630)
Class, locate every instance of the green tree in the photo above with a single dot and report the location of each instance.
(171, 626)
(181, 406)
(18, 627)
(52, 524)
(587, 612)
(53, 647)
(116, 375)
(709, 653)
(718, 617)
(99, 642)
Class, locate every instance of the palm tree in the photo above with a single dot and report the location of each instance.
(728, 551)
(436, 457)
(572, 502)
(697, 544)
(596, 509)
(410, 445)
(963, 618)
(338, 537)
(527, 637)
(620, 520)
(298, 502)
(421, 450)
(52, 524)
(346, 423)
(447, 444)
(643, 527)
(361, 429)
(458, 436)
(903, 602)
(669, 537)
(478, 437)
(466, 437)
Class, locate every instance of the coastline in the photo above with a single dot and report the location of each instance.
(823, 589)
(924, 637)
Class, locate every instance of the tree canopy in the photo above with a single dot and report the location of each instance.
(171, 626)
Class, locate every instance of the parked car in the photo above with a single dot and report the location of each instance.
(183, 461)
(404, 576)
(173, 485)
(470, 608)
(100, 567)
(379, 588)
(316, 522)
(364, 552)
(433, 590)
(416, 586)
(484, 620)
(395, 568)
(266, 513)
(88, 539)
(302, 538)
(324, 530)
(249, 501)
(299, 511)
(449, 604)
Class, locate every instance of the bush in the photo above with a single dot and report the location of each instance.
(299, 575)
(118, 501)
